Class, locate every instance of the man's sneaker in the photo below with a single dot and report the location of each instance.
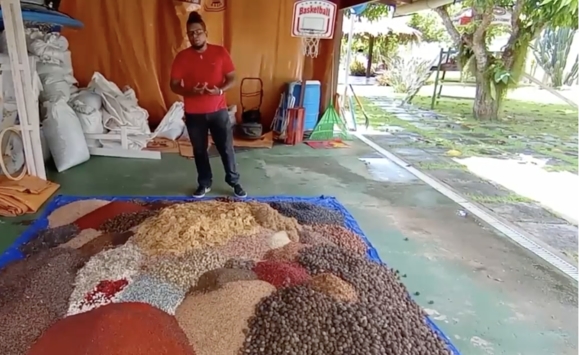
(201, 192)
(239, 191)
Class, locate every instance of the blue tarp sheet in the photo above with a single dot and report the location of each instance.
(330, 202)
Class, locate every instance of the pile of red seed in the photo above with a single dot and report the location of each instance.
(115, 329)
(104, 292)
(281, 274)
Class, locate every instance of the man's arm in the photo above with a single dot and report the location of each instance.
(177, 75)
(178, 89)
(228, 70)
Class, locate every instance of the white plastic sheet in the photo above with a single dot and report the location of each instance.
(172, 125)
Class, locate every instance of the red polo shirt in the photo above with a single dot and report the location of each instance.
(208, 67)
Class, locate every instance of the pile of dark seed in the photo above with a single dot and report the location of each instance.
(384, 321)
(215, 279)
(104, 242)
(308, 213)
(49, 238)
(342, 237)
(239, 263)
(35, 294)
(126, 221)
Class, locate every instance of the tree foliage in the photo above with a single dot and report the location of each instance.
(495, 73)
(430, 26)
(551, 51)
(375, 11)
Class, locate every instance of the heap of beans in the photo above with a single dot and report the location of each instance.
(308, 213)
(215, 279)
(49, 238)
(126, 221)
(342, 237)
(281, 274)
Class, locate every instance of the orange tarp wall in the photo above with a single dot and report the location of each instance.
(133, 42)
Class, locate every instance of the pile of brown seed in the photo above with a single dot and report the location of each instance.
(34, 294)
(126, 221)
(342, 237)
(269, 218)
(67, 214)
(287, 253)
(310, 237)
(385, 320)
(215, 322)
(104, 242)
(308, 213)
(215, 279)
(49, 238)
(240, 263)
(333, 286)
(183, 271)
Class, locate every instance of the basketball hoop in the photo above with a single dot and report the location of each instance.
(313, 20)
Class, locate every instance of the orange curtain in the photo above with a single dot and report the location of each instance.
(133, 42)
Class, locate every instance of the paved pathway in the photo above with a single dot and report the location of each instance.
(552, 231)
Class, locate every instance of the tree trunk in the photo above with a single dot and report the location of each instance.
(370, 56)
(486, 104)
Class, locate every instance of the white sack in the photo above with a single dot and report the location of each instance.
(89, 98)
(90, 119)
(64, 136)
(172, 125)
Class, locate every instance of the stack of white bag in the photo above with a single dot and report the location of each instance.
(54, 66)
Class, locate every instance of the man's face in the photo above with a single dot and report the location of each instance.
(197, 35)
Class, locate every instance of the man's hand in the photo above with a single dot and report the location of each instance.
(213, 91)
(199, 89)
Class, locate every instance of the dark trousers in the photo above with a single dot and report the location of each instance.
(218, 124)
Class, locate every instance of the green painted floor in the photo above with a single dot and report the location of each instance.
(488, 295)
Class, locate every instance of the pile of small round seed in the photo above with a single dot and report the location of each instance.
(71, 212)
(81, 239)
(308, 213)
(115, 264)
(184, 227)
(126, 221)
(342, 237)
(247, 247)
(215, 279)
(281, 274)
(34, 294)
(287, 253)
(333, 286)
(183, 271)
(155, 292)
(269, 218)
(104, 242)
(215, 322)
(49, 238)
(310, 237)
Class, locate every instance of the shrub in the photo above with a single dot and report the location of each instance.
(406, 73)
(357, 68)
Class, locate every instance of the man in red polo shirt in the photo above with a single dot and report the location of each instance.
(201, 74)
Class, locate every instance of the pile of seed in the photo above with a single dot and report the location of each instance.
(279, 239)
(123, 328)
(49, 238)
(69, 213)
(342, 237)
(239, 263)
(184, 227)
(269, 218)
(155, 292)
(104, 242)
(81, 239)
(183, 271)
(385, 320)
(215, 279)
(103, 293)
(333, 286)
(214, 322)
(114, 264)
(126, 221)
(308, 213)
(287, 253)
(247, 247)
(34, 294)
(281, 274)
(310, 237)
(99, 216)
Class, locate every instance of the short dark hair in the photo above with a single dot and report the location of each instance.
(195, 17)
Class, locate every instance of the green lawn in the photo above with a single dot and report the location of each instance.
(546, 130)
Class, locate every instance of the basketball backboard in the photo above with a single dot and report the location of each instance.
(314, 18)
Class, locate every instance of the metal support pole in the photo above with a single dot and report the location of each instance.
(349, 52)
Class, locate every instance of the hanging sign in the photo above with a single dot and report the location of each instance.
(214, 5)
